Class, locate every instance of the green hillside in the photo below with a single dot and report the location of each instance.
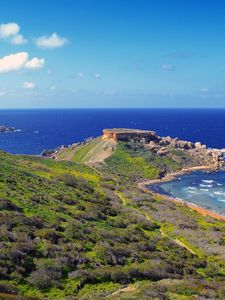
(70, 231)
(94, 151)
(128, 161)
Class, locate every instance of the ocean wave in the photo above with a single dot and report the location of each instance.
(207, 181)
(206, 185)
(218, 193)
(191, 188)
(205, 190)
(219, 184)
(221, 200)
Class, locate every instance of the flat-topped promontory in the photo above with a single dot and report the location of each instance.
(162, 148)
(126, 134)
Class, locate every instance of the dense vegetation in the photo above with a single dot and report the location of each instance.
(133, 161)
(68, 231)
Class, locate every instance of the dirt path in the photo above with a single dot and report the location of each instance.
(127, 202)
(128, 289)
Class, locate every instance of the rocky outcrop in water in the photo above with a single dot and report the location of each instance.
(53, 153)
(4, 128)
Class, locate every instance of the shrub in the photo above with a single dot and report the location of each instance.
(8, 205)
(47, 274)
(48, 234)
(69, 179)
(7, 288)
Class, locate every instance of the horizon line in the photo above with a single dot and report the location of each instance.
(111, 108)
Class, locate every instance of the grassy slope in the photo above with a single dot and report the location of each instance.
(93, 151)
(130, 161)
(126, 165)
(65, 231)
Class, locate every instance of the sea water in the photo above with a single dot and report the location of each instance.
(50, 128)
(205, 189)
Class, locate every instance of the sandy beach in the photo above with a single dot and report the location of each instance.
(171, 176)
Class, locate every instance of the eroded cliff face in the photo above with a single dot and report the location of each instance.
(126, 135)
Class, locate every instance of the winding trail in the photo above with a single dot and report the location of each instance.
(127, 202)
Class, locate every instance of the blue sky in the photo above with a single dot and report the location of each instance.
(112, 53)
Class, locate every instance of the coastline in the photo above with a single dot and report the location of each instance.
(169, 177)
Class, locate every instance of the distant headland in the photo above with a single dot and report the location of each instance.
(157, 145)
(4, 128)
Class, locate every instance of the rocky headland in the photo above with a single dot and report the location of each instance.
(157, 145)
(4, 128)
(162, 146)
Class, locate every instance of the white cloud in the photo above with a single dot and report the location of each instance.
(168, 67)
(52, 88)
(97, 75)
(13, 62)
(28, 85)
(2, 93)
(204, 90)
(80, 75)
(35, 63)
(18, 39)
(9, 29)
(109, 92)
(51, 42)
(18, 61)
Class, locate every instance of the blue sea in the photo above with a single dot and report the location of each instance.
(202, 188)
(47, 129)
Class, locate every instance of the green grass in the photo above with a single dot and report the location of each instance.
(66, 232)
(82, 154)
(126, 165)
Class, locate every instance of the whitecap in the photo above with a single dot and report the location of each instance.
(218, 193)
(219, 184)
(207, 181)
(221, 200)
(205, 190)
(191, 188)
(206, 185)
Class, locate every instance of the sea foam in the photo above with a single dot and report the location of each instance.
(206, 185)
(218, 193)
(207, 181)
(221, 200)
